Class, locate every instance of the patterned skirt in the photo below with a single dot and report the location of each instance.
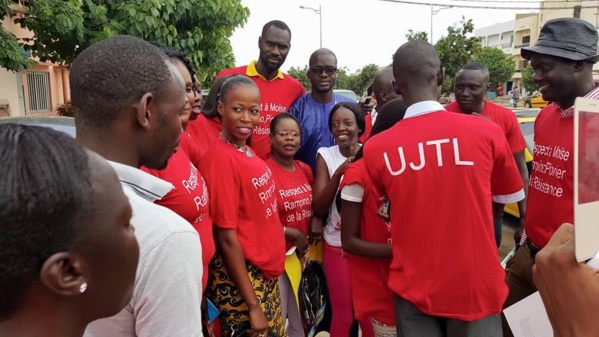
(234, 313)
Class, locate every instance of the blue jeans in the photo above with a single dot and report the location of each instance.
(497, 225)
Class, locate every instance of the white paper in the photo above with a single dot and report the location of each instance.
(528, 318)
(290, 251)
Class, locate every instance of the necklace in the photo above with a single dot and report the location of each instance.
(242, 149)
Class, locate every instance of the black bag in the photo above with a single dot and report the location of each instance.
(313, 296)
(243, 327)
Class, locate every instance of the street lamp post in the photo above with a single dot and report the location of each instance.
(319, 12)
(433, 12)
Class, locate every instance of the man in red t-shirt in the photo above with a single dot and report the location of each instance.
(433, 165)
(470, 89)
(277, 90)
(562, 59)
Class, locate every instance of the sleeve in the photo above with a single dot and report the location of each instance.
(506, 182)
(169, 291)
(352, 185)
(371, 170)
(307, 171)
(190, 150)
(353, 193)
(514, 133)
(224, 188)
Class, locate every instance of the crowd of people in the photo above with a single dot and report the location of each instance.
(227, 196)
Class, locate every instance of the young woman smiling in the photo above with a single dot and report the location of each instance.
(346, 123)
(294, 181)
(250, 243)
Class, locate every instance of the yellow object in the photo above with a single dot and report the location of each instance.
(293, 268)
(315, 252)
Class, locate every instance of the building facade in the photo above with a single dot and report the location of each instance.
(36, 91)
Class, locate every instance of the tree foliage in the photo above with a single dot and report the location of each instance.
(457, 49)
(198, 28)
(501, 66)
(412, 35)
(301, 74)
(527, 82)
(12, 56)
(357, 82)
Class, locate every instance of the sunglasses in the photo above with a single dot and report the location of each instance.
(328, 70)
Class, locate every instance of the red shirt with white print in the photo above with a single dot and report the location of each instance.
(441, 171)
(550, 200)
(243, 197)
(505, 118)
(370, 293)
(189, 199)
(294, 194)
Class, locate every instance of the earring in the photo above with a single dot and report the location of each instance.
(83, 287)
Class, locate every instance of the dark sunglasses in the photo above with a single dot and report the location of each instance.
(328, 70)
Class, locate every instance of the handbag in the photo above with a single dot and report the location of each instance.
(313, 296)
(243, 327)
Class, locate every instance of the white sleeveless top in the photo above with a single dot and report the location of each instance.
(332, 231)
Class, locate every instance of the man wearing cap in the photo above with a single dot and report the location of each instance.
(562, 60)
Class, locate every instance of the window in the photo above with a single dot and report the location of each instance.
(39, 91)
(526, 39)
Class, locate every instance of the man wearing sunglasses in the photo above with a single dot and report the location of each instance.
(313, 109)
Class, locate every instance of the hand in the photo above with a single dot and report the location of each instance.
(315, 230)
(569, 289)
(299, 240)
(381, 212)
(341, 169)
(519, 231)
(258, 322)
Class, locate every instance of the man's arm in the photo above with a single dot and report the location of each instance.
(169, 294)
(521, 163)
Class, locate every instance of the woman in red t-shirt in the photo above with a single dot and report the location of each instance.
(189, 198)
(367, 237)
(250, 256)
(206, 128)
(294, 181)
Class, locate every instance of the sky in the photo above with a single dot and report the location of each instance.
(359, 32)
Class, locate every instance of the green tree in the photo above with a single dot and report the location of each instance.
(198, 28)
(457, 49)
(12, 55)
(301, 74)
(412, 35)
(501, 66)
(527, 82)
(344, 79)
(363, 78)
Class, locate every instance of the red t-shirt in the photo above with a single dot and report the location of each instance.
(243, 197)
(367, 128)
(505, 118)
(294, 195)
(191, 149)
(276, 97)
(204, 131)
(440, 171)
(551, 188)
(370, 293)
(189, 199)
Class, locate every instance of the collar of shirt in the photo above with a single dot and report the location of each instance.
(569, 112)
(252, 71)
(146, 185)
(422, 108)
(373, 114)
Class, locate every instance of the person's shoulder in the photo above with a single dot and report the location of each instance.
(498, 109)
(453, 107)
(233, 71)
(292, 80)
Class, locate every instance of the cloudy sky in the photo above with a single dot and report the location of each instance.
(360, 32)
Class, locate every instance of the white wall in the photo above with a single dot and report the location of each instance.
(8, 91)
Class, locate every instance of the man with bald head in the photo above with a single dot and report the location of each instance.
(470, 89)
(445, 274)
(313, 109)
(382, 89)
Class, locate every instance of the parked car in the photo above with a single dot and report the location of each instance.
(527, 127)
(535, 101)
(64, 124)
(347, 93)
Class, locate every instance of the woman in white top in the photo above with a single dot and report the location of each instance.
(346, 123)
